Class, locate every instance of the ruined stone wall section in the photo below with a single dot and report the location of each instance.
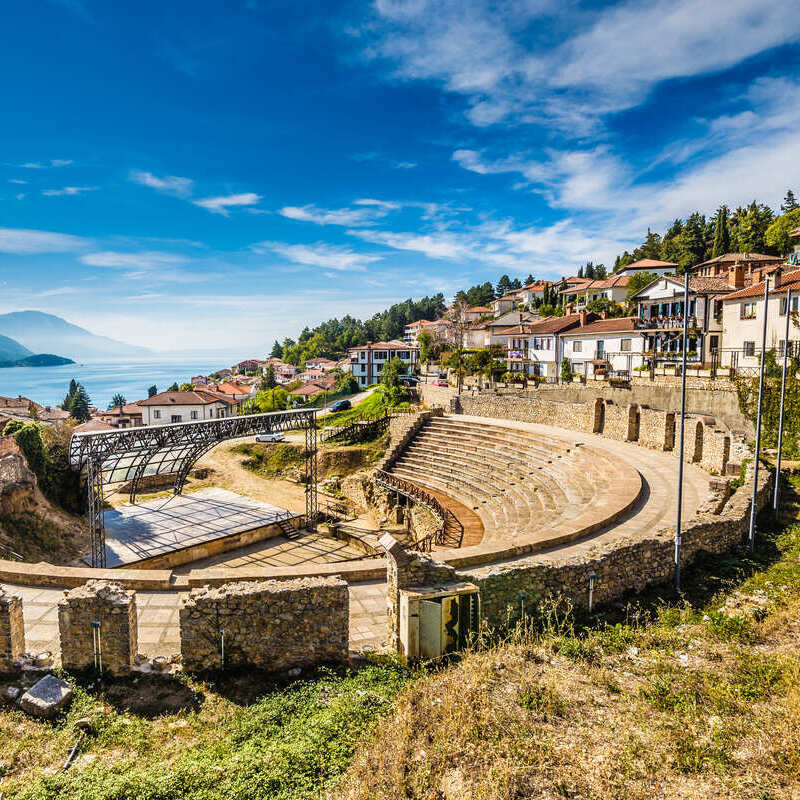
(115, 609)
(529, 408)
(619, 566)
(12, 631)
(656, 429)
(272, 625)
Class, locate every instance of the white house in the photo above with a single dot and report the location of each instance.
(171, 407)
(535, 348)
(607, 344)
(660, 306)
(743, 320)
(368, 361)
(324, 364)
(614, 289)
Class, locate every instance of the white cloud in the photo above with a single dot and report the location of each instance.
(168, 184)
(68, 191)
(220, 205)
(369, 213)
(596, 62)
(21, 241)
(16, 180)
(61, 290)
(54, 162)
(320, 254)
(60, 162)
(146, 260)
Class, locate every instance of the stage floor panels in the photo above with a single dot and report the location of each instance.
(142, 531)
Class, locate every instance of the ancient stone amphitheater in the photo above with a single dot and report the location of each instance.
(517, 507)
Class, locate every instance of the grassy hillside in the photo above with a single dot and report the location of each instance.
(677, 700)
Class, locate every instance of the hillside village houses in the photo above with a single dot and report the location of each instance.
(368, 361)
(651, 265)
(614, 289)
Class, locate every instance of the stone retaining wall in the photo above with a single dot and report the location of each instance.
(12, 631)
(707, 442)
(620, 566)
(273, 625)
(115, 609)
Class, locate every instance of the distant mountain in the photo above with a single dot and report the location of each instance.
(11, 350)
(43, 333)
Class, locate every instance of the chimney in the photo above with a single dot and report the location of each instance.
(738, 276)
(583, 317)
(777, 278)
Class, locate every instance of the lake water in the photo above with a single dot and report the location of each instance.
(103, 379)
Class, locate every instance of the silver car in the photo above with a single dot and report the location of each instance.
(270, 437)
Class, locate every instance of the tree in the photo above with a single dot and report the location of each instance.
(79, 407)
(722, 237)
(268, 381)
(73, 387)
(749, 228)
(152, 390)
(174, 387)
(529, 280)
(650, 248)
(390, 381)
(566, 372)
(692, 242)
(185, 387)
(778, 234)
(503, 286)
(425, 342)
(789, 203)
(637, 282)
(117, 400)
(277, 350)
(580, 271)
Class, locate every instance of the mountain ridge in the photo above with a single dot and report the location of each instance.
(12, 350)
(39, 332)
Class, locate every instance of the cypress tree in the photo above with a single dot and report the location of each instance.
(722, 239)
(79, 407)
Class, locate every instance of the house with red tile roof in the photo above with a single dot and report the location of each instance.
(165, 408)
(613, 288)
(651, 265)
(614, 345)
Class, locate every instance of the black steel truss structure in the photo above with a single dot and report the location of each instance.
(127, 456)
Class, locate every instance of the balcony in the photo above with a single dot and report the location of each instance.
(665, 323)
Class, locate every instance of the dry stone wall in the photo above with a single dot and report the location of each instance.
(114, 608)
(12, 631)
(273, 625)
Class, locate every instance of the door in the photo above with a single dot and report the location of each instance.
(601, 349)
(430, 629)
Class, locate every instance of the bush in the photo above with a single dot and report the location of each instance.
(12, 426)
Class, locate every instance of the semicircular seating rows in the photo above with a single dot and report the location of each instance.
(519, 482)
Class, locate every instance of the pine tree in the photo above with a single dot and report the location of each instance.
(79, 407)
(277, 350)
(580, 271)
(789, 203)
(73, 387)
(529, 280)
(692, 241)
(152, 390)
(503, 286)
(174, 387)
(117, 400)
(722, 239)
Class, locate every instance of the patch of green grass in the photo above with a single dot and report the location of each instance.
(270, 460)
(288, 744)
(543, 700)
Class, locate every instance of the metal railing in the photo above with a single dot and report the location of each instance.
(363, 427)
(668, 321)
(450, 532)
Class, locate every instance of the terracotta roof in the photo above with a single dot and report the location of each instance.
(386, 346)
(710, 285)
(734, 257)
(16, 402)
(129, 409)
(419, 323)
(307, 389)
(199, 397)
(547, 325)
(479, 310)
(537, 286)
(621, 324)
(646, 263)
(789, 280)
(93, 425)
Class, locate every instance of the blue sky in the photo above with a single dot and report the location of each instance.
(215, 175)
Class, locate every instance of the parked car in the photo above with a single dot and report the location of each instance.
(268, 436)
(409, 380)
(440, 382)
(340, 405)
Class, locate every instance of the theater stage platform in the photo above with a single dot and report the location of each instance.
(176, 530)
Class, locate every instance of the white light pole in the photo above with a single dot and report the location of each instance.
(752, 534)
(783, 398)
(683, 432)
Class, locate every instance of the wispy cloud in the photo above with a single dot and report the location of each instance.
(145, 260)
(223, 204)
(54, 162)
(368, 213)
(68, 191)
(168, 184)
(320, 254)
(21, 241)
(16, 180)
(58, 291)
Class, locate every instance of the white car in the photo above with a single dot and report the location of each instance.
(270, 437)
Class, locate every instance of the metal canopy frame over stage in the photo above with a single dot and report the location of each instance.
(126, 456)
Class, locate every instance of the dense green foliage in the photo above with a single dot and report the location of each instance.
(117, 400)
(747, 390)
(390, 382)
(77, 402)
(337, 335)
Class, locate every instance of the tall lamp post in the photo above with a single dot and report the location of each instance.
(683, 431)
(752, 533)
(783, 399)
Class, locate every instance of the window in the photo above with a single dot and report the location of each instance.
(177, 418)
(404, 355)
(625, 345)
(193, 415)
(793, 308)
(156, 414)
(380, 355)
(749, 348)
(747, 311)
(577, 347)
